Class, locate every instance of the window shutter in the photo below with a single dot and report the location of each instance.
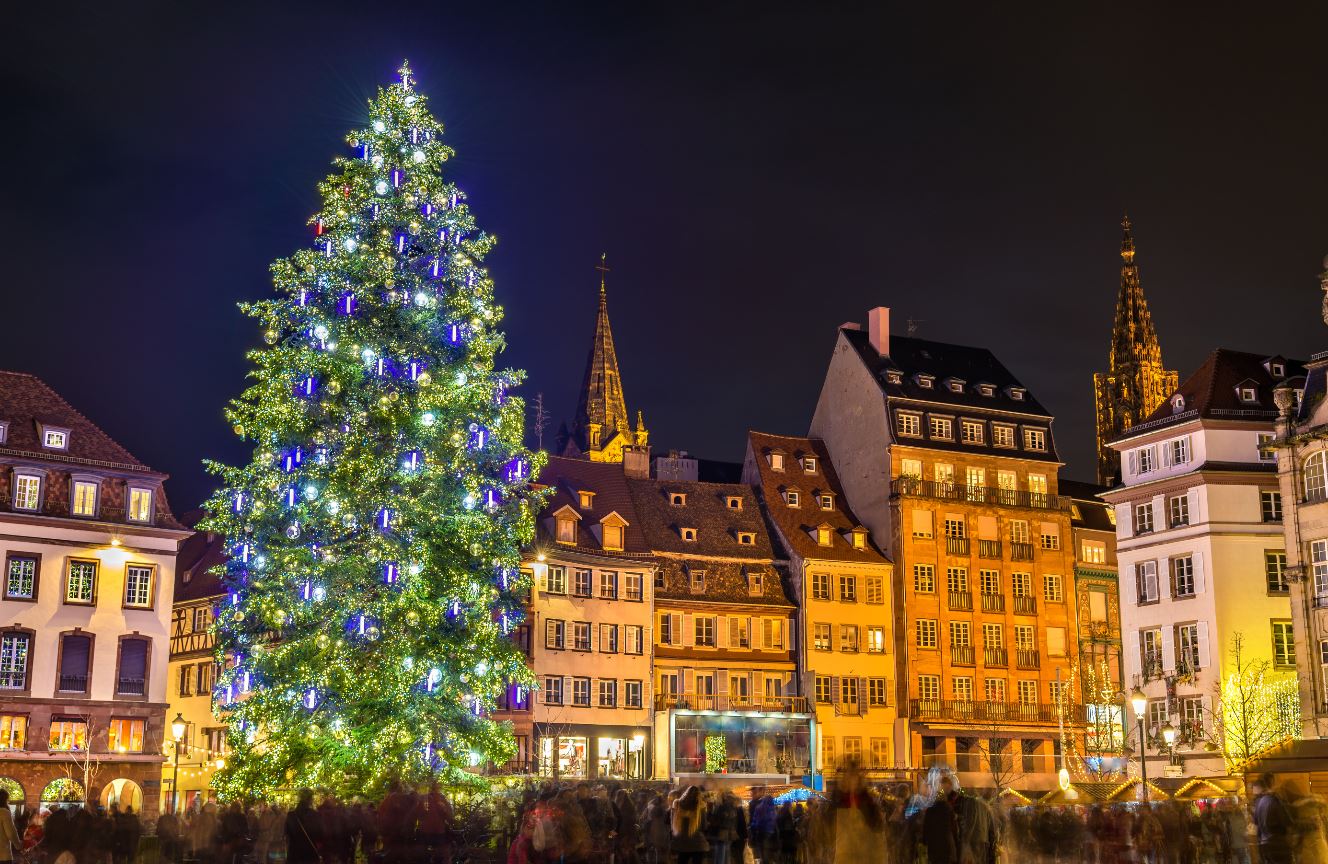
(758, 687)
(688, 630)
(721, 632)
(722, 681)
(594, 637)
(675, 628)
(1150, 581)
(734, 635)
(544, 579)
(834, 689)
(1166, 455)
(1168, 649)
(1129, 588)
(1198, 573)
(74, 658)
(987, 528)
(864, 695)
(568, 691)
(689, 681)
(1203, 644)
(922, 522)
(1192, 496)
(1134, 461)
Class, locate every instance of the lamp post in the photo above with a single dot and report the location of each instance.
(1139, 702)
(1169, 736)
(177, 731)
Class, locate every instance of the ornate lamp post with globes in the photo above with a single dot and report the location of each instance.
(1139, 702)
(178, 726)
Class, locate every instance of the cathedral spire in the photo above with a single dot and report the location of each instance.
(602, 427)
(1135, 382)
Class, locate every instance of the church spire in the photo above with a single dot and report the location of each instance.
(602, 427)
(1135, 382)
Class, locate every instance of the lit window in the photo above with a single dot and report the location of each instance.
(27, 492)
(924, 380)
(823, 535)
(566, 530)
(85, 498)
(138, 585)
(971, 431)
(809, 464)
(1035, 439)
(124, 736)
(689, 534)
(80, 585)
(21, 578)
(13, 731)
(586, 499)
(859, 539)
(876, 640)
(55, 439)
(71, 735)
(1284, 644)
(1265, 446)
(140, 505)
(613, 536)
(1052, 589)
(777, 461)
(910, 424)
(1002, 435)
(1094, 552)
(941, 428)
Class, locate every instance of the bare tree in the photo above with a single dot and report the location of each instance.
(85, 762)
(1256, 708)
(539, 420)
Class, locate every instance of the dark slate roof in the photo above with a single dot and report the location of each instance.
(725, 582)
(26, 400)
(1211, 391)
(797, 524)
(974, 366)
(200, 553)
(1092, 509)
(707, 511)
(568, 477)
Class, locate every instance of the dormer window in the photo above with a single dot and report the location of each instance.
(4, 433)
(858, 538)
(27, 491)
(1035, 439)
(586, 499)
(823, 534)
(1247, 394)
(987, 389)
(894, 376)
(733, 502)
(54, 439)
(924, 380)
(746, 538)
(1278, 369)
(678, 499)
(776, 461)
(566, 529)
(140, 505)
(696, 581)
(1015, 393)
(1177, 404)
(827, 500)
(612, 531)
(688, 534)
(755, 582)
(792, 498)
(954, 385)
(809, 464)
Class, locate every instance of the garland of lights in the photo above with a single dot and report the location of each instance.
(375, 536)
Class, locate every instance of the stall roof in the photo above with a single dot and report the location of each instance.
(1199, 788)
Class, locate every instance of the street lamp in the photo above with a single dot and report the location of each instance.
(1139, 702)
(1169, 736)
(178, 726)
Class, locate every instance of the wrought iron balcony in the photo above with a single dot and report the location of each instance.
(993, 602)
(1021, 551)
(918, 487)
(129, 686)
(1025, 605)
(1027, 658)
(956, 545)
(73, 683)
(955, 710)
(989, 549)
(997, 657)
(724, 702)
(961, 601)
(962, 655)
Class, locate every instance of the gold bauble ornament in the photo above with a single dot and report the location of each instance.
(238, 429)
(424, 379)
(394, 396)
(412, 617)
(334, 387)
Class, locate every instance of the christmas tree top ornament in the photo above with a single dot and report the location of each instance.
(375, 535)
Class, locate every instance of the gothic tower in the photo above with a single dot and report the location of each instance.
(602, 428)
(1135, 382)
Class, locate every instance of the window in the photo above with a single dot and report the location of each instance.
(772, 631)
(956, 528)
(138, 586)
(553, 690)
(956, 579)
(1150, 653)
(608, 638)
(140, 505)
(755, 583)
(133, 673)
(943, 472)
(1097, 606)
(1021, 584)
(124, 736)
(613, 535)
(1053, 589)
(820, 586)
(1035, 439)
(580, 636)
(910, 468)
(1187, 646)
(1316, 477)
(1178, 508)
(848, 589)
(581, 692)
(14, 649)
(848, 695)
(777, 461)
(824, 694)
(1248, 394)
(909, 424)
(1056, 690)
(961, 634)
(1145, 573)
(989, 581)
(922, 524)
(206, 676)
(554, 631)
(633, 639)
(81, 582)
(1274, 568)
(1182, 576)
(823, 535)
(827, 501)
(68, 734)
(1028, 692)
(13, 731)
(1270, 503)
(1019, 531)
(704, 626)
(1023, 637)
(975, 479)
(733, 502)
(1050, 535)
(1002, 435)
(809, 464)
(924, 380)
(821, 637)
(696, 580)
(875, 589)
(75, 654)
(633, 586)
(85, 498)
(1265, 447)
(678, 499)
(1284, 645)
(557, 580)
(926, 632)
(659, 579)
(876, 640)
(738, 633)
(631, 694)
(1056, 641)
(1179, 450)
(746, 538)
(1319, 568)
(566, 529)
(994, 689)
(993, 636)
(608, 693)
(608, 585)
(848, 638)
(27, 492)
(858, 538)
(941, 428)
(667, 634)
(1143, 518)
(962, 688)
(55, 439)
(971, 431)
(21, 577)
(581, 583)
(792, 499)
(1093, 552)
(924, 578)
(585, 499)
(1146, 459)
(929, 688)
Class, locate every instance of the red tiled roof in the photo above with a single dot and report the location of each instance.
(26, 401)
(1212, 389)
(568, 478)
(199, 554)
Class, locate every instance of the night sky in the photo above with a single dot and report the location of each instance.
(757, 174)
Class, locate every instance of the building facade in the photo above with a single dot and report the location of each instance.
(1135, 382)
(590, 616)
(726, 692)
(1199, 541)
(89, 555)
(950, 463)
(842, 587)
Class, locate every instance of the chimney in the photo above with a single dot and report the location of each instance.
(878, 329)
(636, 462)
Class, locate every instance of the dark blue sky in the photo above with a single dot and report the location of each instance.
(757, 174)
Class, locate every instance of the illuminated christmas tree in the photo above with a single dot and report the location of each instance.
(374, 538)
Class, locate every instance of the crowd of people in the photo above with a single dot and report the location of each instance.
(610, 823)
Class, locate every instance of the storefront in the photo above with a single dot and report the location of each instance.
(739, 742)
(593, 752)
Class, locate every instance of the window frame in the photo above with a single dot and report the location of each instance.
(1289, 642)
(909, 424)
(11, 556)
(83, 480)
(1035, 440)
(96, 581)
(22, 474)
(146, 695)
(112, 734)
(1002, 435)
(129, 504)
(561, 582)
(30, 638)
(151, 602)
(940, 427)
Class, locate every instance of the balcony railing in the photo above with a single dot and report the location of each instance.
(1021, 551)
(978, 494)
(961, 601)
(73, 683)
(993, 602)
(129, 686)
(956, 545)
(962, 655)
(1320, 601)
(723, 702)
(989, 549)
(1025, 605)
(992, 712)
(1027, 658)
(996, 657)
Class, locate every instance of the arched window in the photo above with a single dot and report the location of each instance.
(1316, 477)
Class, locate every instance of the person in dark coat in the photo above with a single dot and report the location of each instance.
(940, 821)
(304, 831)
(1272, 824)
